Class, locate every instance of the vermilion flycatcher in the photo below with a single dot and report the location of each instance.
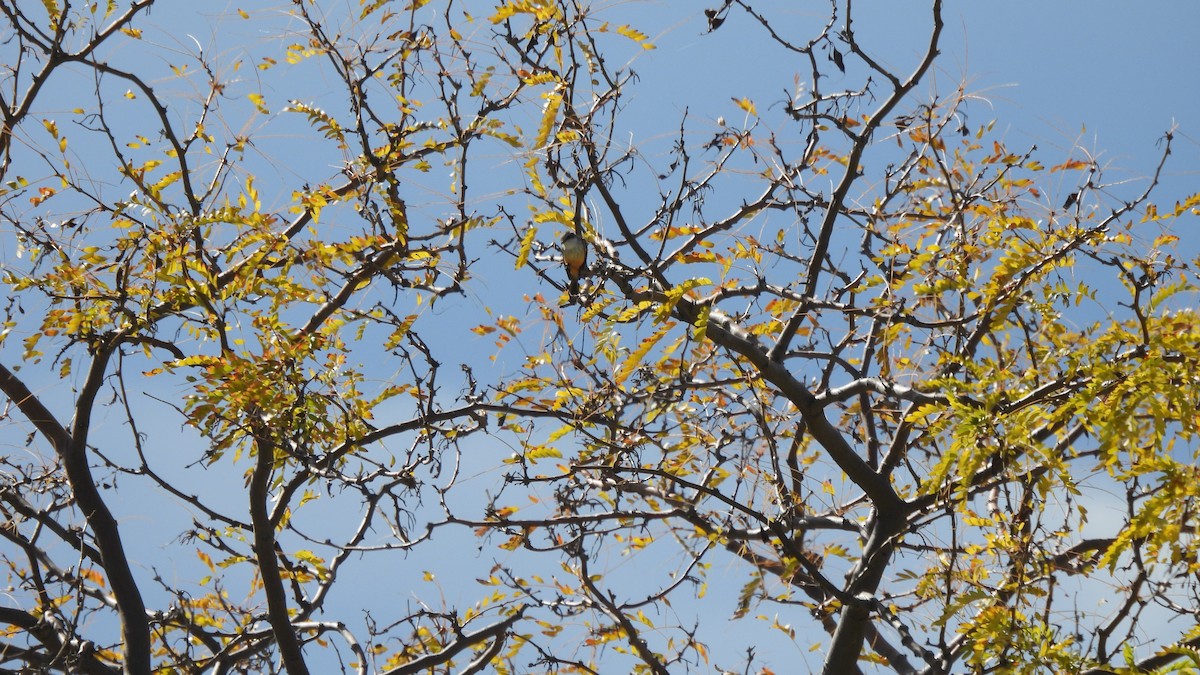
(575, 253)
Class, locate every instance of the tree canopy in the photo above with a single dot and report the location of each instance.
(295, 379)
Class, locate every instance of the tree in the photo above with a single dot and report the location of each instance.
(842, 364)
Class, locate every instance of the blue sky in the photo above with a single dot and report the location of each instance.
(1108, 77)
(1125, 72)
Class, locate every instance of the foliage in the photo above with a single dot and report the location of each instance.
(842, 369)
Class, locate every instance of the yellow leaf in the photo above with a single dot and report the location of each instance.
(543, 77)
(92, 576)
(53, 11)
(702, 325)
(1074, 164)
(549, 118)
(541, 451)
(166, 180)
(635, 359)
(259, 103)
(526, 247)
(542, 10)
(747, 105)
(554, 217)
(676, 294)
(560, 432)
(635, 35)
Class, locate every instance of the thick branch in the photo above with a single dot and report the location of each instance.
(268, 563)
(56, 644)
(71, 447)
(723, 333)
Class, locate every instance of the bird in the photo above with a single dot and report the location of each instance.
(575, 253)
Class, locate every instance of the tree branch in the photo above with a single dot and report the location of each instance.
(264, 551)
